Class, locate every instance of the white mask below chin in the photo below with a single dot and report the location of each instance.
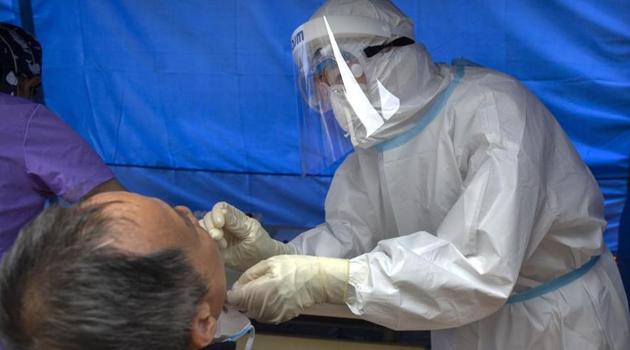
(233, 325)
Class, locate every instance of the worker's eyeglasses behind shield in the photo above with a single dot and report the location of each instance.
(316, 82)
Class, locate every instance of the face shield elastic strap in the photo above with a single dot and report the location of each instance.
(399, 42)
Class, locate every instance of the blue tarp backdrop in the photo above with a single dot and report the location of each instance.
(194, 102)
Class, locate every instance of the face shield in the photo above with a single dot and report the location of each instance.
(341, 103)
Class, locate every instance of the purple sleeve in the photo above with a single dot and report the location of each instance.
(60, 158)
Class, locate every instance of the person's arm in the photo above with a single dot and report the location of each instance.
(281, 287)
(243, 240)
(463, 272)
(61, 160)
(355, 221)
(467, 269)
(346, 233)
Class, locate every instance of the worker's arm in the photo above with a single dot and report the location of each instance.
(243, 240)
(425, 280)
(355, 219)
(467, 268)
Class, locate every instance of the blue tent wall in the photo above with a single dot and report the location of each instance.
(10, 12)
(193, 101)
(624, 243)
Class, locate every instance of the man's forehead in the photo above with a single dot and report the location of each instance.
(129, 206)
(144, 225)
(116, 196)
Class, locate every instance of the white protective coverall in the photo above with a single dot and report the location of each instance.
(477, 196)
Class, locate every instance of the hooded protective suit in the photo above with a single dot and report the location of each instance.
(469, 194)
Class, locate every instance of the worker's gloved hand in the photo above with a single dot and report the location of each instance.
(280, 288)
(242, 238)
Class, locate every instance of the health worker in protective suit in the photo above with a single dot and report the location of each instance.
(464, 208)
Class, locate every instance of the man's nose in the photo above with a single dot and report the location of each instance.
(184, 210)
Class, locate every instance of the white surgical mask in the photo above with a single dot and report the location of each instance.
(344, 113)
(233, 325)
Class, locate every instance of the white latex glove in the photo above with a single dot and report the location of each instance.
(242, 238)
(280, 288)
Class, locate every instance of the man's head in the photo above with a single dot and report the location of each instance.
(118, 271)
(20, 62)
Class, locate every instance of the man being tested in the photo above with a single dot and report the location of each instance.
(464, 208)
(119, 271)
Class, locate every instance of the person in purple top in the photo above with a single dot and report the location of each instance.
(41, 157)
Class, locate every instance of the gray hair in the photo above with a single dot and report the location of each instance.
(61, 288)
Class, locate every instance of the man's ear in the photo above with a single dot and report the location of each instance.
(204, 327)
